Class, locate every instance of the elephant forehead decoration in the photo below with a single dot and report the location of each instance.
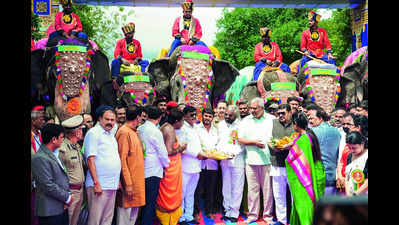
(138, 86)
(280, 90)
(73, 65)
(195, 70)
(323, 86)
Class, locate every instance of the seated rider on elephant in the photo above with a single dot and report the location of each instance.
(192, 30)
(314, 40)
(67, 24)
(268, 53)
(128, 52)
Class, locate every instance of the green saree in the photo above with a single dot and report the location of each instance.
(306, 179)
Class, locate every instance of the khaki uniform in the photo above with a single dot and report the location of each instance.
(73, 161)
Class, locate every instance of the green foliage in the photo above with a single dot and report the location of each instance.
(339, 33)
(238, 33)
(103, 24)
(35, 26)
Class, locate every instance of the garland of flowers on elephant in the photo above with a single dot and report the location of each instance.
(309, 87)
(147, 92)
(184, 79)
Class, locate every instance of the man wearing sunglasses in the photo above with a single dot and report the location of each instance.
(282, 127)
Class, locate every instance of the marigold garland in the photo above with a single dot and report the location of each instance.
(73, 106)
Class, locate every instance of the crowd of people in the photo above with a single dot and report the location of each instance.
(148, 163)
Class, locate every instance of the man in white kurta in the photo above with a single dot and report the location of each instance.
(191, 163)
(233, 170)
(254, 132)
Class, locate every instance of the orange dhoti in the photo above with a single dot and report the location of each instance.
(169, 198)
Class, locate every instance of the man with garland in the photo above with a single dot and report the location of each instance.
(127, 53)
(314, 40)
(268, 53)
(191, 32)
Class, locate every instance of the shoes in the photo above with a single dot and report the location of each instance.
(193, 222)
(232, 219)
(224, 218)
(248, 221)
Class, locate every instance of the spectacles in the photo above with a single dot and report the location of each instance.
(281, 113)
(228, 115)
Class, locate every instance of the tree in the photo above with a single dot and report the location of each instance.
(238, 33)
(103, 24)
(35, 27)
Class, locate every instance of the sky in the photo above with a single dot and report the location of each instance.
(154, 26)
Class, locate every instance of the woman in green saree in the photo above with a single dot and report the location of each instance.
(305, 172)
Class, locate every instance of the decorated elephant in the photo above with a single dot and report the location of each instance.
(192, 76)
(129, 89)
(354, 73)
(272, 83)
(320, 83)
(68, 77)
(246, 75)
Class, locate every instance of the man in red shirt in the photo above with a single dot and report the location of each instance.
(191, 31)
(67, 24)
(128, 51)
(268, 53)
(314, 41)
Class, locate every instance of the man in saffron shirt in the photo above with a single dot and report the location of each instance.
(192, 30)
(128, 51)
(314, 40)
(268, 53)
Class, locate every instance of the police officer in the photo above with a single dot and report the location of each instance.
(72, 158)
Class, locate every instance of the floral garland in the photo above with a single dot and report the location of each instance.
(277, 99)
(85, 73)
(147, 93)
(310, 90)
(207, 89)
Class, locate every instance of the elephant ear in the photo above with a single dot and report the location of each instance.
(100, 68)
(224, 75)
(37, 70)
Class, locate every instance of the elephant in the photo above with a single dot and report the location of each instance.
(129, 89)
(233, 94)
(68, 78)
(354, 74)
(272, 83)
(192, 76)
(320, 83)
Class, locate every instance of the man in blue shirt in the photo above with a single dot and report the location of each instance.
(329, 139)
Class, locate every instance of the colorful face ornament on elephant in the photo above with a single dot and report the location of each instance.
(323, 86)
(73, 64)
(195, 69)
(139, 88)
